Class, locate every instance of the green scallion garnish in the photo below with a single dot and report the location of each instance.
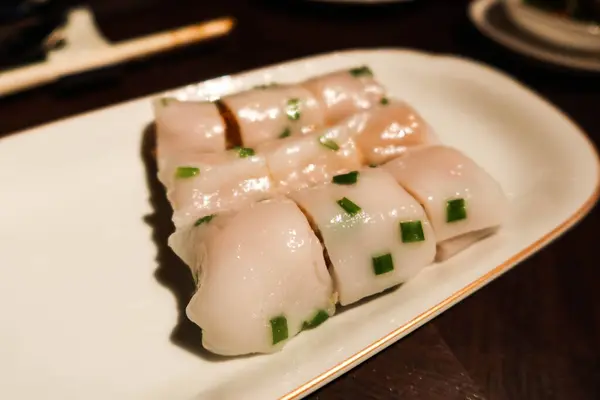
(456, 210)
(320, 317)
(204, 220)
(361, 71)
(346, 179)
(412, 231)
(293, 109)
(330, 144)
(244, 152)
(348, 206)
(383, 264)
(266, 85)
(187, 172)
(384, 101)
(165, 101)
(195, 276)
(279, 329)
(286, 132)
(372, 165)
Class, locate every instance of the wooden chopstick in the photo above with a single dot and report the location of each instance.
(49, 71)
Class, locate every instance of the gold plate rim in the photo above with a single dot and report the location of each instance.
(471, 288)
(380, 344)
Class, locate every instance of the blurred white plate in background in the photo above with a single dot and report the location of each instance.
(492, 19)
(562, 31)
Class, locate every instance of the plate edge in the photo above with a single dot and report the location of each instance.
(146, 97)
(367, 51)
(392, 337)
(456, 297)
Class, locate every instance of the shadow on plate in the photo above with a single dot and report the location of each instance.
(171, 272)
(342, 309)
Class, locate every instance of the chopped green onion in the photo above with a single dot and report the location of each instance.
(348, 206)
(245, 152)
(186, 172)
(266, 85)
(279, 329)
(384, 101)
(372, 165)
(383, 264)
(456, 210)
(330, 144)
(195, 276)
(346, 179)
(293, 109)
(286, 132)
(412, 231)
(204, 220)
(320, 317)
(361, 71)
(165, 101)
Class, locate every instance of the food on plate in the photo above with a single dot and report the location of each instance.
(345, 92)
(302, 161)
(288, 199)
(392, 127)
(275, 111)
(375, 234)
(463, 202)
(206, 184)
(187, 126)
(263, 279)
(299, 161)
(263, 113)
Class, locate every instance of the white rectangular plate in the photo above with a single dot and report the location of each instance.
(84, 317)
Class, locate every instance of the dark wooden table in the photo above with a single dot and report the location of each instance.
(533, 333)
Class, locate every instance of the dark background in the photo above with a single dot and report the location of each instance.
(533, 333)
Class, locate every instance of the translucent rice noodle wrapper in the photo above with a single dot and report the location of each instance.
(208, 184)
(376, 235)
(344, 93)
(184, 127)
(464, 202)
(391, 129)
(303, 161)
(262, 279)
(264, 114)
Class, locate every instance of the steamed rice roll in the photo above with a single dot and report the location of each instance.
(210, 183)
(463, 202)
(393, 127)
(262, 278)
(184, 127)
(304, 161)
(376, 235)
(272, 112)
(346, 92)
